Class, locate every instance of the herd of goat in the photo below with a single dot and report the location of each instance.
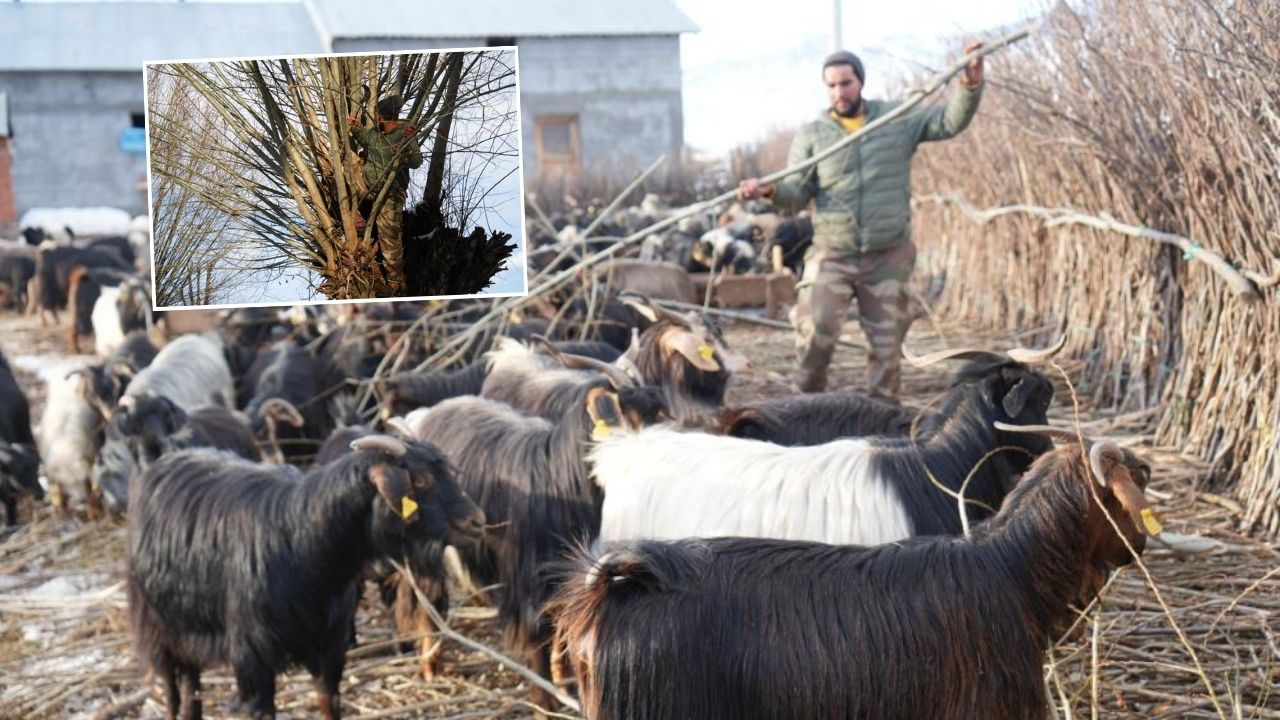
(815, 556)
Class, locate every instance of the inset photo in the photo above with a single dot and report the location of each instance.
(335, 177)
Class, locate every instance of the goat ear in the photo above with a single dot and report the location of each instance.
(604, 411)
(691, 347)
(1015, 401)
(1106, 461)
(392, 484)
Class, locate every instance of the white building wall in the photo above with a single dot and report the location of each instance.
(66, 139)
(625, 91)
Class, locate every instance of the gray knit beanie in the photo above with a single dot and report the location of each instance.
(844, 57)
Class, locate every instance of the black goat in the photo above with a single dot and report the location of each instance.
(117, 245)
(257, 566)
(19, 460)
(16, 270)
(817, 418)
(737, 629)
(281, 396)
(425, 560)
(86, 287)
(145, 427)
(531, 480)
(408, 391)
(851, 490)
(684, 355)
(53, 274)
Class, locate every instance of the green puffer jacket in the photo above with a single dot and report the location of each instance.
(863, 192)
(381, 149)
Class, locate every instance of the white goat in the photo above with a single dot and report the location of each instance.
(191, 371)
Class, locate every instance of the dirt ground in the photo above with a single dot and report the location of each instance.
(1152, 650)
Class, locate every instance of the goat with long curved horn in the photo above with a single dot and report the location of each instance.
(920, 361)
(617, 377)
(1037, 355)
(390, 445)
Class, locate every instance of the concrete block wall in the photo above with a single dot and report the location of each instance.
(65, 151)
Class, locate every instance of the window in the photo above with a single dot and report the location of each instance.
(559, 148)
(497, 40)
(137, 120)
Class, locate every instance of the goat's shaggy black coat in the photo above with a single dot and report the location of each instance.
(959, 435)
(407, 391)
(19, 460)
(425, 559)
(155, 426)
(817, 418)
(15, 271)
(288, 372)
(256, 566)
(738, 629)
(533, 483)
(55, 265)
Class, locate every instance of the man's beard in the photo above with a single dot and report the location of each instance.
(855, 109)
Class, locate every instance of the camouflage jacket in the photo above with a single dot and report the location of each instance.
(862, 193)
(386, 152)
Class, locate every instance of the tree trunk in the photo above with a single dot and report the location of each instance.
(433, 197)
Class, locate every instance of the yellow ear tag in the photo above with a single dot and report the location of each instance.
(600, 431)
(407, 507)
(706, 351)
(1150, 522)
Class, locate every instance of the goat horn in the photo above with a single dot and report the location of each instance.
(920, 361)
(664, 313)
(401, 426)
(617, 377)
(1034, 355)
(281, 409)
(640, 304)
(387, 444)
(1101, 449)
(549, 347)
(1060, 433)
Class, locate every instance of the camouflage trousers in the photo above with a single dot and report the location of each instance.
(390, 240)
(831, 280)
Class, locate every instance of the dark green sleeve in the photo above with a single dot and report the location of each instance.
(795, 191)
(413, 152)
(940, 123)
(361, 135)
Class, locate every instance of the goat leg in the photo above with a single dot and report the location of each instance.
(189, 687)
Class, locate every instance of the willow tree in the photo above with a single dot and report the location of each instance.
(285, 141)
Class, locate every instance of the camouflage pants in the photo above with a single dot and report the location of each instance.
(390, 240)
(831, 280)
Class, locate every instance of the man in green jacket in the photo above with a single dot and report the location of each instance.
(391, 150)
(862, 218)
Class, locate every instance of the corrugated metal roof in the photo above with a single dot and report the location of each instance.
(124, 35)
(501, 18)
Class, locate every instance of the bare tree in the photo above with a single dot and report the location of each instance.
(283, 167)
(193, 266)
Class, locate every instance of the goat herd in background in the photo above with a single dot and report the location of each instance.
(814, 556)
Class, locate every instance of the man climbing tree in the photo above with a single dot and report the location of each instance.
(391, 150)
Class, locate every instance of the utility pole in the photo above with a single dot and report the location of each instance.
(839, 25)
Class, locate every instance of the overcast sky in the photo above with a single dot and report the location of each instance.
(747, 71)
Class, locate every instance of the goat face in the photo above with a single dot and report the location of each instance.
(1120, 479)
(422, 502)
(19, 471)
(1018, 396)
(625, 410)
